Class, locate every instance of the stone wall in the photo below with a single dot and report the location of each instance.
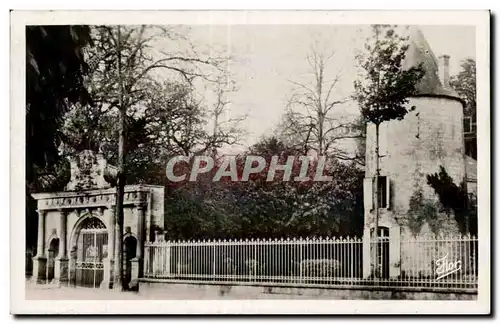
(215, 291)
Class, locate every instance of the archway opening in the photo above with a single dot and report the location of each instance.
(52, 254)
(129, 252)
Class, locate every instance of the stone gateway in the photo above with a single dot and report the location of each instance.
(76, 238)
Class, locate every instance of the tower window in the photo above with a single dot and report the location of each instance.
(382, 192)
(469, 127)
(384, 188)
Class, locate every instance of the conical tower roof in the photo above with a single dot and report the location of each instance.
(418, 52)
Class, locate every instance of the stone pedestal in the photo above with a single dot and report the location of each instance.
(39, 269)
(134, 280)
(61, 271)
(107, 281)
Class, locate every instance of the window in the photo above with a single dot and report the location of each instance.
(469, 125)
(384, 198)
(382, 192)
(383, 232)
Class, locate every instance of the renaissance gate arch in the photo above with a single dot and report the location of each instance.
(92, 248)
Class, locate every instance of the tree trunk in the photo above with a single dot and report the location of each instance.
(118, 273)
(377, 175)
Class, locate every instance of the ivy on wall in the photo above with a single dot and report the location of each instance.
(421, 211)
(454, 198)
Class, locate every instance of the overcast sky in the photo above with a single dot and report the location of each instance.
(266, 57)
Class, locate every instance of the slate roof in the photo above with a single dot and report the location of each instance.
(418, 52)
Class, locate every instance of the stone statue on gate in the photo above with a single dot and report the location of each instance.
(90, 171)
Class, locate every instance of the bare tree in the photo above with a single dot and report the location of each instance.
(226, 127)
(310, 122)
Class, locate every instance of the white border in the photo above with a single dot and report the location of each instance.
(19, 19)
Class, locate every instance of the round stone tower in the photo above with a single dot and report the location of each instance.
(428, 137)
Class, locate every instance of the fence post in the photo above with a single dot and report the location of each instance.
(214, 259)
(351, 259)
(256, 261)
(300, 260)
(168, 248)
(366, 253)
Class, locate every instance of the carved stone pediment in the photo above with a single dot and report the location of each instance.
(134, 195)
(88, 171)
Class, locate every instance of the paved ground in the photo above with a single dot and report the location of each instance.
(46, 292)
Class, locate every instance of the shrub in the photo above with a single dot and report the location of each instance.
(183, 268)
(319, 268)
(229, 266)
(254, 267)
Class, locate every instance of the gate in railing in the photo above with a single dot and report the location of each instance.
(92, 246)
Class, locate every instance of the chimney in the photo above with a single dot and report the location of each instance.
(444, 70)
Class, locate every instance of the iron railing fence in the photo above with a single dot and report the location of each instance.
(419, 262)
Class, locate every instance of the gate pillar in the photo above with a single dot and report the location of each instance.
(108, 262)
(134, 280)
(40, 260)
(61, 271)
(72, 267)
(107, 281)
(39, 269)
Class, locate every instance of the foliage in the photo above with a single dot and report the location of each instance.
(55, 68)
(261, 208)
(464, 84)
(456, 199)
(165, 116)
(385, 87)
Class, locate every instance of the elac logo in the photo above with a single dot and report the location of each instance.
(445, 268)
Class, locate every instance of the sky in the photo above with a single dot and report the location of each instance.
(265, 58)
